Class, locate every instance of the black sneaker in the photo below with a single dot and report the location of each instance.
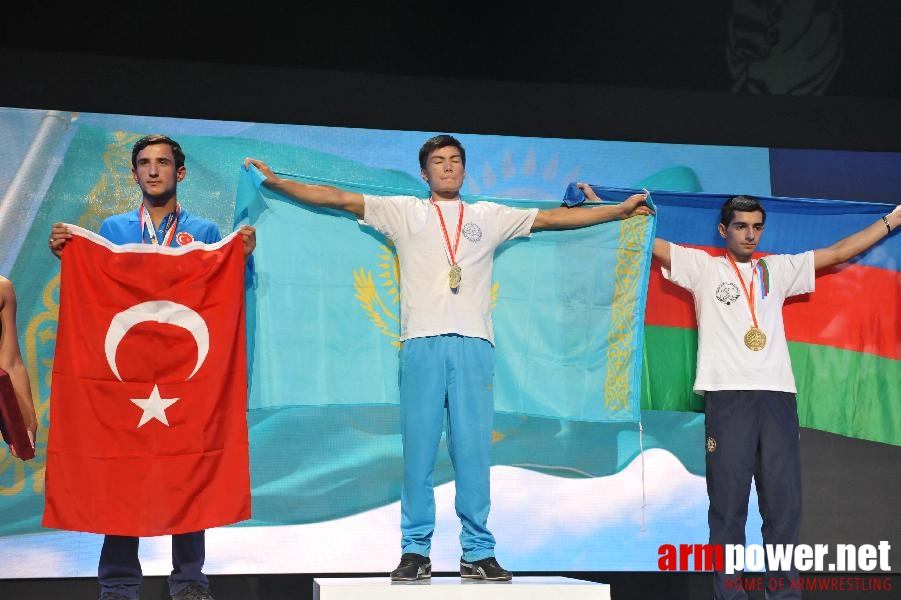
(192, 591)
(412, 567)
(114, 596)
(486, 569)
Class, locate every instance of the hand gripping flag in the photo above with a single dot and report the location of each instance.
(148, 432)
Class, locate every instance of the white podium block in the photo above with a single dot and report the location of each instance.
(457, 588)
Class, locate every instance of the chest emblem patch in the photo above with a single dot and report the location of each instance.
(727, 293)
(472, 232)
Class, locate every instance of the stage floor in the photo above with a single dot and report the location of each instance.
(623, 586)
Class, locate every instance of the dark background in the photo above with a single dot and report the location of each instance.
(641, 71)
(642, 44)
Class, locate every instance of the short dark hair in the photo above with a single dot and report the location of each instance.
(437, 142)
(740, 204)
(150, 140)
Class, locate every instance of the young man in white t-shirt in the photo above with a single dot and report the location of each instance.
(744, 372)
(445, 248)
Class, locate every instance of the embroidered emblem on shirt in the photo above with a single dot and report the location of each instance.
(183, 238)
(727, 293)
(472, 232)
(711, 444)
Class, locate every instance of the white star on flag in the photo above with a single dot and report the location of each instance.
(154, 406)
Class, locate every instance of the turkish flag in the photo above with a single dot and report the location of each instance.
(148, 428)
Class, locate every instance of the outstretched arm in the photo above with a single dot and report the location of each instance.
(11, 359)
(856, 243)
(582, 216)
(661, 252)
(315, 195)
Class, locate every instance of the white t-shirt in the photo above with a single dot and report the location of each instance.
(428, 305)
(724, 362)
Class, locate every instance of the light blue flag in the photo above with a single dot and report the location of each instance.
(313, 459)
(324, 309)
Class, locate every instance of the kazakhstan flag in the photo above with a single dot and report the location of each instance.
(323, 309)
(322, 315)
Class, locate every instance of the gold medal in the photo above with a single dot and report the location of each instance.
(755, 339)
(456, 273)
(454, 276)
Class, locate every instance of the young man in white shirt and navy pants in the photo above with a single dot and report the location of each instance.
(744, 372)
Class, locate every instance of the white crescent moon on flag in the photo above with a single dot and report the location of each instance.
(160, 311)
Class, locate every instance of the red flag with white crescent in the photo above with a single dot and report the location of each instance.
(148, 428)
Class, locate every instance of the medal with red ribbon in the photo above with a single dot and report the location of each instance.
(755, 338)
(455, 275)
